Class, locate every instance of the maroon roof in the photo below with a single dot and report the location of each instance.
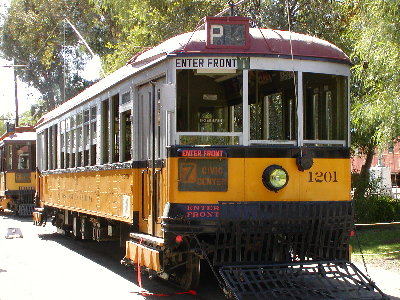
(18, 131)
(263, 42)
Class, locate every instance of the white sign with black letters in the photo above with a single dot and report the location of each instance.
(206, 63)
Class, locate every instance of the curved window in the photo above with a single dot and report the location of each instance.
(325, 108)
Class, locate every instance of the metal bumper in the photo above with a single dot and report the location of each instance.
(270, 232)
(322, 280)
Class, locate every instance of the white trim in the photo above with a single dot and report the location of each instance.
(246, 111)
(300, 109)
(306, 66)
(273, 142)
(326, 142)
(233, 134)
(348, 111)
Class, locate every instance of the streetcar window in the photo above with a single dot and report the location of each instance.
(272, 105)
(86, 116)
(209, 102)
(49, 148)
(73, 145)
(72, 142)
(33, 155)
(79, 139)
(125, 98)
(104, 130)
(53, 147)
(86, 157)
(126, 133)
(115, 128)
(22, 152)
(86, 132)
(93, 155)
(73, 156)
(79, 159)
(9, 157)
(2, 159)
(79, 145)
(62, 144)
(325, 107)
(46, 149)
(93, 135)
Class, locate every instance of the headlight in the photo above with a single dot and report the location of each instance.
(275, 178)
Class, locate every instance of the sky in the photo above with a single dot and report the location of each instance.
(27, 95)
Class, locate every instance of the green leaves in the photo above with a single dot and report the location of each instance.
(34, 33)
(146, 23)
(376, 51)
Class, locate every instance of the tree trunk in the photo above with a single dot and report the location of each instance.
(363, 180)
(367, 165)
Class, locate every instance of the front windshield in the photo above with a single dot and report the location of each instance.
(325, 107)
(209, 102)
(210, 107)
(272, 105)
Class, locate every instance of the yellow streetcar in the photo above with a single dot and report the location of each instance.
(229, 145)
(18, 170)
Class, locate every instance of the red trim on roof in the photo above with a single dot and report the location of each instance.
(18, 130)
(264, 42)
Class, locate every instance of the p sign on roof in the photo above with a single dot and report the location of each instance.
(228, 32)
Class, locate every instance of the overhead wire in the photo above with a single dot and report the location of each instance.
(293, 70)
(45, 42)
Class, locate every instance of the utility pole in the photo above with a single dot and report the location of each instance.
(16, 98)
(15, 89)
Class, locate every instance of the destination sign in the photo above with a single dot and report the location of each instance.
(205, 175)
(206, 63)
(202, 153)
(227, 32)
(23, 177)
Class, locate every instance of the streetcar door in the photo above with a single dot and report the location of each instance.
(150, 145)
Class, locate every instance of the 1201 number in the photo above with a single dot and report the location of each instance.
(322, 177)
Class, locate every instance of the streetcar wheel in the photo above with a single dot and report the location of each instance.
(185, 269)
(191, 273)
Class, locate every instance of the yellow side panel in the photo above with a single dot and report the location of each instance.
(327, 180)
(107, 193)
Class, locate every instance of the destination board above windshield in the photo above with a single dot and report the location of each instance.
(228, 32)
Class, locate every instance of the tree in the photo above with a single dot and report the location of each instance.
(321, 18)
(145, 23)
(375, 33)
(35, 34)
(142, 24)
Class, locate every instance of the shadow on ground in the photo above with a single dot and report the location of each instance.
(109, 255)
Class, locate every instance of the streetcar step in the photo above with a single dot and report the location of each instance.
(147, 237)
(25, 210)
(309, 280)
